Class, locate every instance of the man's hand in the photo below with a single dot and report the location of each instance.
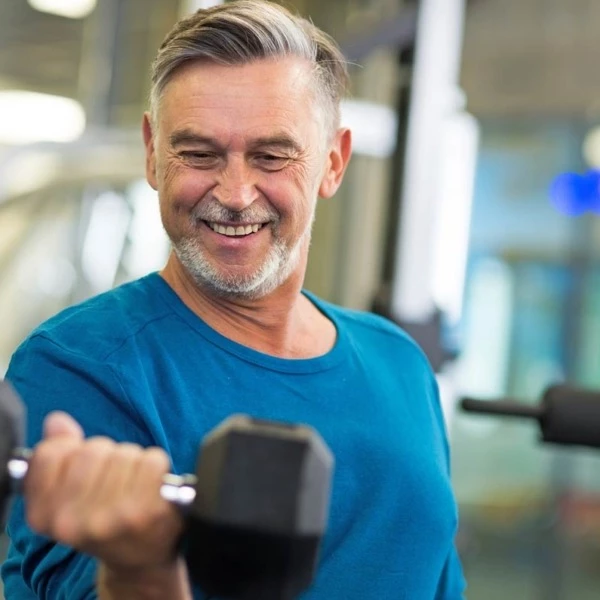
(103, 499)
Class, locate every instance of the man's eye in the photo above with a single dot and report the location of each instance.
(272, 162)
(199, 157)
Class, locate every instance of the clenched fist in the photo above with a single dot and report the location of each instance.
(103, 498)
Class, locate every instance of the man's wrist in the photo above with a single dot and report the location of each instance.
(169, 581)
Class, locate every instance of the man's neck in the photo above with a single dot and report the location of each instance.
(284, 323)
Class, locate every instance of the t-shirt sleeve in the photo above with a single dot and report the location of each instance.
(37, 568)
(452, 582)
(50, 377)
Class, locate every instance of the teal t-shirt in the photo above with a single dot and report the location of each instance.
(137, 365)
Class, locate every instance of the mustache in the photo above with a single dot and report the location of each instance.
(214, 211)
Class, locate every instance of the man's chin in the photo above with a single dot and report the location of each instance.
(241, 288)
(234, 281)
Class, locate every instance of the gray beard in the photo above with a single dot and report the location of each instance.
(275, 269)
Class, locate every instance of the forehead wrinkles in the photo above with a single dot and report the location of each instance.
(286, 86)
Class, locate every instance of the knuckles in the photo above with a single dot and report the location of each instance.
(112, 524)
(157, 459)
(51, 452)
(63, 508)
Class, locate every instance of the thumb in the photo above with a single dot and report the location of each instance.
(60, 424)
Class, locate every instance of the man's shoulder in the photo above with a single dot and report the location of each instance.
(101, 324)
(367, 324)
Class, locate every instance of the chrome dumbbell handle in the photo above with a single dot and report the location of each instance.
(180, 490)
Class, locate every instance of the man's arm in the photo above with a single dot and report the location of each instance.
(50, 377)
(107, 505)
(169, 582)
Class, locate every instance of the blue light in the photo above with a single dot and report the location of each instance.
(574, 194)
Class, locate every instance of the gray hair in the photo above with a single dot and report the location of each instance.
(243, 31)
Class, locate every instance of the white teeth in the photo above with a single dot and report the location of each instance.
(235, 231)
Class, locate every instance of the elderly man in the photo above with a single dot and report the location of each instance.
(242, 137)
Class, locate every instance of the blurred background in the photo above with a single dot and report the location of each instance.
(468, 215)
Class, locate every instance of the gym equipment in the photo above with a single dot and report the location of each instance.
(255, 511)
(566, 415)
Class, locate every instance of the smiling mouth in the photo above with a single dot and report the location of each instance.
(237, 231)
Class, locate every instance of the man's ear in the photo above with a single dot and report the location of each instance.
(150, 153)
(337, 161)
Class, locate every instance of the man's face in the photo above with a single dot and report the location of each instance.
(239, 158)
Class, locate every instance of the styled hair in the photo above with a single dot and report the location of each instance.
(243, 31)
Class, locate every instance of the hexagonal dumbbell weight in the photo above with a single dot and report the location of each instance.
(255, 511)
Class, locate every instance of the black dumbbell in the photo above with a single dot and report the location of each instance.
(255, 511)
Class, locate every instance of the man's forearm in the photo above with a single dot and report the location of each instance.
(169, 582)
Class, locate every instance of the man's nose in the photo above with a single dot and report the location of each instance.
(236, 186)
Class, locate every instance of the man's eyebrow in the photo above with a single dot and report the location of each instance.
(282, 141)
(186, 137)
